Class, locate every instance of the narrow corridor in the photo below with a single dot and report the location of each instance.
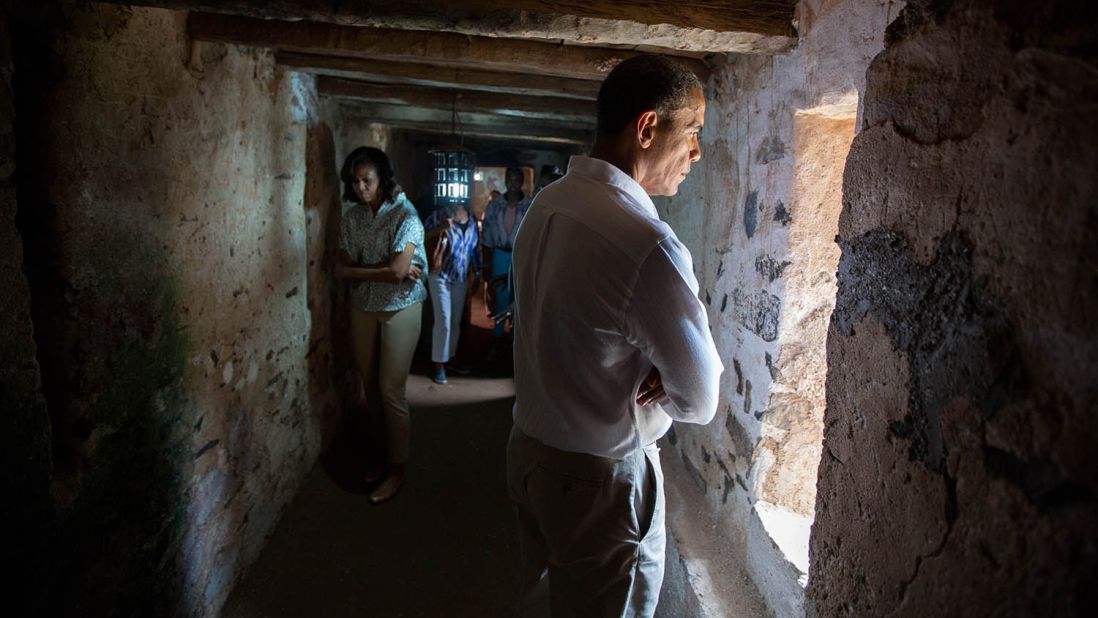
(445, 546)
(890, 229)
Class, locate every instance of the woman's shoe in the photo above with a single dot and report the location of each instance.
(440, 376)
(373, 474)
(388, 488)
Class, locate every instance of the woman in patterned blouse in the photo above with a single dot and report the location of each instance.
(381, 254)
(456, 231)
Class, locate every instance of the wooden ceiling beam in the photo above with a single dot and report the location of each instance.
(494, 150)
(441, 48)
(685, 26)
(415, 74)
(760, 16)
(483, 125)
(579, 113)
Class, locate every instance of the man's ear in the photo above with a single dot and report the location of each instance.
(646, 128)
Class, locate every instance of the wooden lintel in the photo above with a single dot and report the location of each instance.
(411, 73)
(442, 48)
(582, 113)
(772, 17)
(683, 26)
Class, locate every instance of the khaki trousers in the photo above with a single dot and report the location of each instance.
(384, 343)
(591, 530)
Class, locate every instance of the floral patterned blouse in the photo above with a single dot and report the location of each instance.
(375, 239)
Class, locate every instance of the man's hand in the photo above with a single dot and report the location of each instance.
(414, 273)
(651, 389)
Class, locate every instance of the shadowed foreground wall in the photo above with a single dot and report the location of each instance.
(24, 422)
(161, 205)
(959, 477)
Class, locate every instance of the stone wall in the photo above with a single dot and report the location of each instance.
(959, 477)
(759, 213)
(161, 198)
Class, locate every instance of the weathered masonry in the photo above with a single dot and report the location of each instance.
(893, 225)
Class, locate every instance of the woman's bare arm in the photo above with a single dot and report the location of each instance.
(397, 270)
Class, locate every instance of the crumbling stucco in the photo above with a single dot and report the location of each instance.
(958, 476)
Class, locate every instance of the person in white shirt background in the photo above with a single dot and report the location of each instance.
(611, 345)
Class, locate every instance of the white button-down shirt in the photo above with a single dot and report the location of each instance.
(605, 291)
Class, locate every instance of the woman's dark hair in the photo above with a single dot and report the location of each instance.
(642, 83)
(365, 155)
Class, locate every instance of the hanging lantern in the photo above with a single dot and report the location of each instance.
(454, 167)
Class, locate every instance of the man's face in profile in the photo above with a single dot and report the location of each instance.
(675, 147)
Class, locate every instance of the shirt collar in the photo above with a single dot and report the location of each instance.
(601, 171)
(386, 206)
(392, 202)
(521, 204)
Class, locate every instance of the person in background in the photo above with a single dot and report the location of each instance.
(493, 194)
(501, 223)
(611, 345)
(548, 175)
(453, 233)
(381, 255)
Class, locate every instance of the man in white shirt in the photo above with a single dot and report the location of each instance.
(611, 345)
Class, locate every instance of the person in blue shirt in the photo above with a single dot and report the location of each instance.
(381, 255)
(502, 220)
(457, 261)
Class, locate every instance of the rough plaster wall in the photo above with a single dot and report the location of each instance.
(24, 422)
(959, 477)
(759, 213)
(172, 312)
(792, 424)
(330, 354)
